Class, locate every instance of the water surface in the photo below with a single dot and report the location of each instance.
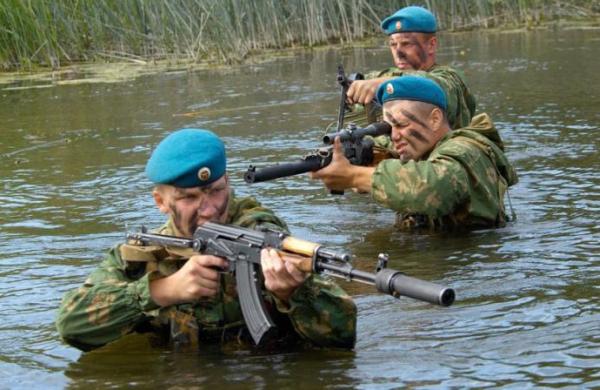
(527, 313)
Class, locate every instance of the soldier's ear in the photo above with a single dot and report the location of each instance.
(436, 118)
(160, 200)
(432, 44)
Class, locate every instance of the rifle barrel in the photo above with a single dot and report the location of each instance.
(393, 282)
(310, 163)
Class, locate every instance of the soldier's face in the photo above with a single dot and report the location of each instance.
(191, 207)
(412, 132)
(412, 51)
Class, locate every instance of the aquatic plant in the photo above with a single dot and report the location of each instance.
(54, 32)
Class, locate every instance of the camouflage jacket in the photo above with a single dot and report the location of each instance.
(461, 103)
(115, 300)
(461, 183)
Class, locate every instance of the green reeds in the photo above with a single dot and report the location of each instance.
(54, 32)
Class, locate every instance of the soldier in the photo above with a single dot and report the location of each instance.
(413, 45)
(443, 178)
(185, 297)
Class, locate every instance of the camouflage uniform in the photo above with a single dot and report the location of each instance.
(115, 300)
(461, 103)
(461, 183)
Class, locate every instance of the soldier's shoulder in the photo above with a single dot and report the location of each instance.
(462, 144)
(249, 212)
(448, 73)
(446, 69)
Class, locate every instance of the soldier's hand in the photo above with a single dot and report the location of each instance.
(340, 174)
(282, 278)
(363, 91)
(198, 278)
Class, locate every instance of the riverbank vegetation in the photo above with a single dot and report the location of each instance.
(54, 33)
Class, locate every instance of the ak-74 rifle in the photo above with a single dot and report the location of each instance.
(242, 246)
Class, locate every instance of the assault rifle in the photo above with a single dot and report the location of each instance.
(242, 246)
(357, 149)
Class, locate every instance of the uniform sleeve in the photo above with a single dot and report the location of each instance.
(322, 313)
(432, 187)
(107, 306)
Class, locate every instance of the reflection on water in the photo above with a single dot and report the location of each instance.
(527, 311)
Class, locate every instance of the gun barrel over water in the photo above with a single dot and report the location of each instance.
(396, 283)
(310, 163)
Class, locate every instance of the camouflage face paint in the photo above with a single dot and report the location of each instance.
(420, 49)
(408, 48)
(222, 210)
(416, 135)
(414, 118)
(185, 228)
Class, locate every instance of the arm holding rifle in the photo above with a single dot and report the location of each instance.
(341, 175)
(121, 297)
(244, 248)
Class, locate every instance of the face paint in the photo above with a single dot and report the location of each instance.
(409, 52)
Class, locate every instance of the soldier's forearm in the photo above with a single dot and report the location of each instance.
(362, 178)
(328, 314)
(92, 316)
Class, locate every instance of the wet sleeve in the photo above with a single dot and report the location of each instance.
(107, 306)
(432, 187)
(322, 313)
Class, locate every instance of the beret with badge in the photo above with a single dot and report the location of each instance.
(187, 158)
(410, 19)
(415, 88)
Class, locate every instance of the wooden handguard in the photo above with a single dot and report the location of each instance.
(300, 252)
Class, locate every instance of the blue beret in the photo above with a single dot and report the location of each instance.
(409, 19)
(187, 158)
(412, 88)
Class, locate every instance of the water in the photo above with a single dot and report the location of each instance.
(527, 312)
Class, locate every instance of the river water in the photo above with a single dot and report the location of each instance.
(527, 312)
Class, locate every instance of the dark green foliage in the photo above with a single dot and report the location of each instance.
(54, 32)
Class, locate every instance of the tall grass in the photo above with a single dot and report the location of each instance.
(55, 32)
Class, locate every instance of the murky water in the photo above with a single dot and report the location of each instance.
(527, 313)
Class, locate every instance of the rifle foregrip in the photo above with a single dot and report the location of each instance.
(255, 312)
(299, 246)
(394, 282)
